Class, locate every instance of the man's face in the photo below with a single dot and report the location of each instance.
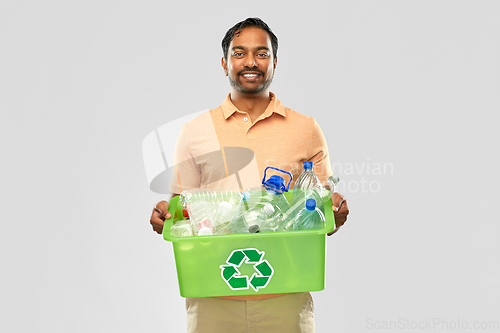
(250, 65)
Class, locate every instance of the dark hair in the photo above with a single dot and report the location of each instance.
(249, 23)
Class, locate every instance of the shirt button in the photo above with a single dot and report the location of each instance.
(245, 119)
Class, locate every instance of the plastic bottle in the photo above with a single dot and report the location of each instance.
(271, 192)
(222, 216)
(249, 199)
(250, 221)
(277, 222)
(309, 218)
(275, 187)
(307, 180)
(331, 183)
(212, 198)
(205, 231)
(299, 201)
(200, 216)
(182, 228)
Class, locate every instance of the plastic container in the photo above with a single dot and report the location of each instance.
(252, 263)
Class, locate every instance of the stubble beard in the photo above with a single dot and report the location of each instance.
(237, 85)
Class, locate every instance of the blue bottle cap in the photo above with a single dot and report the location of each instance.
(308, 165)
(245, 196)
(275, 183)
(310, 204)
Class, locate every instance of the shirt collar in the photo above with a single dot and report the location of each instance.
(274, 106)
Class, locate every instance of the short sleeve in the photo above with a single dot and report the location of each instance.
(186, 174)
(318, 152)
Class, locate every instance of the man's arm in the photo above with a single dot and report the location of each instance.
(321, 160)
(185, 168)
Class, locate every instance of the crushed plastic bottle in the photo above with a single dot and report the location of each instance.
(277, 222)
(200, 216)
(251, 221)
(309, 218)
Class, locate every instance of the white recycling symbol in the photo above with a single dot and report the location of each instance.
(259, 279)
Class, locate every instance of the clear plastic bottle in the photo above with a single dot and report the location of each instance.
(182, 228)
(274, 195)
(251, 221)
(309, 218)
(299, 200)
(212, 198)
(222, 216)
(307, 180)
(271, 192)
(205, 231)
(277, 222)
(331, 183)
(249, 199)
(200, 216)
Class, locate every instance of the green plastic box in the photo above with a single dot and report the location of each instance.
(248, 264)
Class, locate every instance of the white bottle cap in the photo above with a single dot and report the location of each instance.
(205, 231)
(268, 208)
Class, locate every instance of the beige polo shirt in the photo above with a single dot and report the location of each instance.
(224, 149)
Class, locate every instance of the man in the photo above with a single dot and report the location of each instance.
(253, 118)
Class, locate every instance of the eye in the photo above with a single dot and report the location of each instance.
(238, 54)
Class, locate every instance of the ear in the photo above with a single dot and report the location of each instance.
(223, 62)
(275, 62)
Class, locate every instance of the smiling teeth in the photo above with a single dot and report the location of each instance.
(250, 75)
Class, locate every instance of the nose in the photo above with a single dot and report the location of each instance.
(250, 61)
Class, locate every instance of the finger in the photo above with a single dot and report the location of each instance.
(157, 216)
(341, 215)
(162, 208)
(337, 201)
(157, 219)
(160, 213)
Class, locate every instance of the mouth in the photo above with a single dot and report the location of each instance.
(250, 76)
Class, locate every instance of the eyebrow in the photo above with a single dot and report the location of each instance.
(257, 48)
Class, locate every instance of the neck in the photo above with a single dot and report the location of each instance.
(253, 104)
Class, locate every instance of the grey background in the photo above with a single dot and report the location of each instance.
(411, 84)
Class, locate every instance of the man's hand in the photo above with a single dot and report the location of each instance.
(158, 216)
(340, 211)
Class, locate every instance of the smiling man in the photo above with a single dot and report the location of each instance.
(250, 63)
(254, 118)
